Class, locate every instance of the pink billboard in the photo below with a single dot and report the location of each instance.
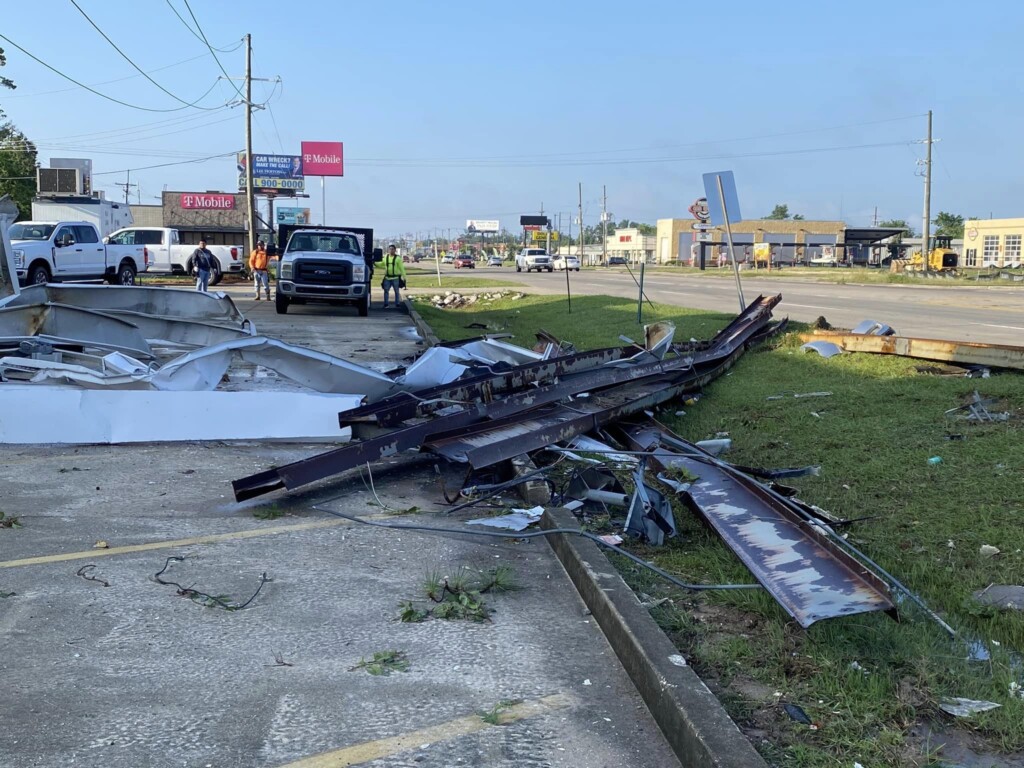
(323, 158)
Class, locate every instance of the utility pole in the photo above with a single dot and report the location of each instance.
(604, 223)
(126, 185)
(874, 221)
(926, 223)
(250, 202)
(583, 239)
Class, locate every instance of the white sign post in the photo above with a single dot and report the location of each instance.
(720, 189)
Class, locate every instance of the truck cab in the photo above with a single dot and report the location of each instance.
(55, 251)
(326, 264)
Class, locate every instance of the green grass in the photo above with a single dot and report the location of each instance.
(840, 276)
(428, 282)
(873, 438)
(595, 321)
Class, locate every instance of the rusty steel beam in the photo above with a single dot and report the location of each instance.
(483, 387)
(664, 379)
(798, 563)
(963, 352)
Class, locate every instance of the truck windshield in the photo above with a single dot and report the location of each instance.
(323, 243)
(30, 231)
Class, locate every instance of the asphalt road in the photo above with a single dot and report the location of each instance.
(987, 314)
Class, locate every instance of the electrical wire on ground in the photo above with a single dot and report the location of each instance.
(535, 534)
(202, 597)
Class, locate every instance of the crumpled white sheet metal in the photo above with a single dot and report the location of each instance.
(60, 324)
(491, 351)
(70, 415)
(434, 367)
(163, 302)
(873, 328)
(204, 368)
(824, 348)
(116, 375)
(176, 332)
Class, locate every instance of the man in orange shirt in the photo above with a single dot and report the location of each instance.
(258, 262)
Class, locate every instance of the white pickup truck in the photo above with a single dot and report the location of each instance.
(55, 251)
(168, 255)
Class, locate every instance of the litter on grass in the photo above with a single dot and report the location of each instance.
(959, 707)
(517, 520)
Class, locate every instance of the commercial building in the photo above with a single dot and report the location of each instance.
(626, 243)
(792, 241)
(992, 243)
(219, 218)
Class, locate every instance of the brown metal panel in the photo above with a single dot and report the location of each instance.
(806, 572)
(963, 352)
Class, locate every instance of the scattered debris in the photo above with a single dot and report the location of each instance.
(821, 323)
(650, 516)
(873, 328)
(84, 572)
(612, 538)
(805, 568)
(785, 395)
(935, 460)
(965, 707)
(279, 661)
(976, 410)
(202, 598)
(987, 550)
(4, 595)
(518, 520)
(9, 521)
(1008, 596)
(383, 663)
(960, 352)
(797, 714)
(824, 348)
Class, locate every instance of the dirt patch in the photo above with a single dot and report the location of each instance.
(931, 740)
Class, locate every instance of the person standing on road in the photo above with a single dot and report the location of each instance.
(394, 275)
(258, 263)
(203, 261)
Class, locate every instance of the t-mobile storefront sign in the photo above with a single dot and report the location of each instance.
(208, 201)
(323, 158)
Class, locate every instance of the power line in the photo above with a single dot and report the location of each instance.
(202, 36)
(196, 35)
(110, 82)
(88, 88)
(135, 66)
(450, 163)
(166, 165)
(141, 128)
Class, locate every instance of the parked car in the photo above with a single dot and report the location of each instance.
(567, 262)
(168, 255)
(616, 261)
(465, 261)
(494, 261)
(55, 251)
(449, 258)
(533, 258)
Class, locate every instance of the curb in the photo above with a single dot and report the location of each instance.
(694, 723)
(429, 337)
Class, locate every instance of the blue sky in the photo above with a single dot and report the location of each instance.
(456, 110)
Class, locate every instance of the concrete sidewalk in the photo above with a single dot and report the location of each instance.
(134, 674)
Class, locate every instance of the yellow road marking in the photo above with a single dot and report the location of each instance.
(463, 726)
(211, 539)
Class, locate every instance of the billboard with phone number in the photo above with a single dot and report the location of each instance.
(273, 172)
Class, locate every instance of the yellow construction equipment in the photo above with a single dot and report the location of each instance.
(941, 258)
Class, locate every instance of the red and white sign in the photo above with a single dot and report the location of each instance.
(625, 238)
(531, 228)
(207, 202)
(323, 158)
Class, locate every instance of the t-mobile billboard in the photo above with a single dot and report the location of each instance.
(323, 158)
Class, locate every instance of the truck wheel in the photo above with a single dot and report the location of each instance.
(217, 275)
(364, 306)
(125, 274)
(39, 274)
(518, 268)
(550, 269)
(281, 304)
